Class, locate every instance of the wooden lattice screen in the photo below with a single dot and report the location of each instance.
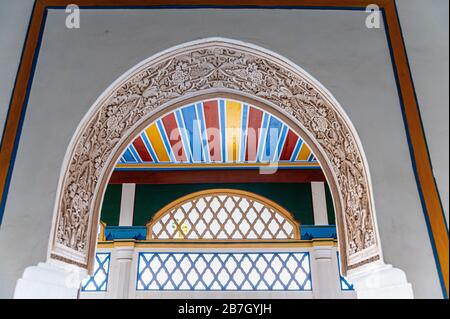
(223, 215)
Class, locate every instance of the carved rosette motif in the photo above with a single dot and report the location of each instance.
(193, 70)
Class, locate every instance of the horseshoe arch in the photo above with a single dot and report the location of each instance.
(193, 71)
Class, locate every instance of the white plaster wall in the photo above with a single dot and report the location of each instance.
(425, 29)
(14, 18)
(75, 66)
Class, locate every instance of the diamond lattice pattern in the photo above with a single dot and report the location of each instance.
(223, 216)
(224, 271)
(99, 280)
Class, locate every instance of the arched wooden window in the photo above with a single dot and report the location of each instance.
(223, 214)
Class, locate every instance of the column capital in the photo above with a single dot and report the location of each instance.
(124, 252)
(323, 251)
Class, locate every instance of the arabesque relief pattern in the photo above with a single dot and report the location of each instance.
(195, 69)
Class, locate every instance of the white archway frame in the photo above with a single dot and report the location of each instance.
(193, 71)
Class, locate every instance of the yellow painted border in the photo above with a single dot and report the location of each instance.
(218, 244)
(218, 165)
(101, 234)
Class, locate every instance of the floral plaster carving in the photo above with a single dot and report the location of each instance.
(198, 67)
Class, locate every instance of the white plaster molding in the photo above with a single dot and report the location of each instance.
(194, 68)
(50, 281)
(380, 281)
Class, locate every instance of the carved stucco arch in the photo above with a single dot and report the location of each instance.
(193, 71)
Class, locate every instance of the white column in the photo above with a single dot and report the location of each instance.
(324, 275)
(120, 272)
(380, 281)
(319, 202)
(127, 205)
(50, 281)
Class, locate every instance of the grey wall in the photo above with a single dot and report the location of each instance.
(14, 17)
(75, 66)
(425, 30)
